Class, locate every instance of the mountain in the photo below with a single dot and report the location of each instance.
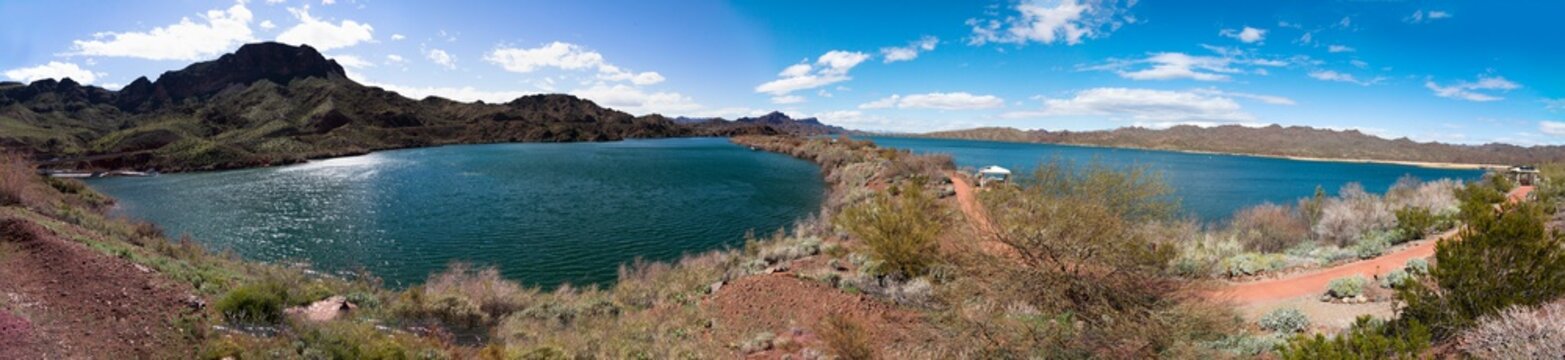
(271, 103)
(1292, 141)
(780, 121)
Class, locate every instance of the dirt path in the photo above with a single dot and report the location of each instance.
(788, 306)
(1314, 282)
(62, 300)
(967, 200)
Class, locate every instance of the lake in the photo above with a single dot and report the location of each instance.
(1210, 187)
(545, 214)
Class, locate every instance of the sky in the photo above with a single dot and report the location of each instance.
(1447, 71)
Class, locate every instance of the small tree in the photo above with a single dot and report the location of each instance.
(899, 226)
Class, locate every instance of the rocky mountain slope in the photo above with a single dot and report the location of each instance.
(1295, 141)
(270, 103)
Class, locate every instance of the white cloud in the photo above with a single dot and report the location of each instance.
(53, 70)
(633, 100)
(441, 57)
(1048, 22)
(1146, 107)
(830, 68)
(1422, 16)
(1340, 49)
(1269, 99)
(324, 35)
(397, 37)
(352, 61)
(268, 25)
(1248, 35)
(1172, 65)
(1330, 75)
(909, 52)
(465, 93)
(395, 58)
(787, 99)
(217, 33)
(275, 2)
(566, 56)
(940, 101)
(1552, 127)
(1471, 91)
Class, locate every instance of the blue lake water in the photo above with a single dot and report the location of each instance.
(546, 214)
(1209, 187)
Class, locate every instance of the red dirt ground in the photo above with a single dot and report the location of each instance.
(62, 300)
(780, 304)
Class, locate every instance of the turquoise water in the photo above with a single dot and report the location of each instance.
(546, 214)
(1209, 187)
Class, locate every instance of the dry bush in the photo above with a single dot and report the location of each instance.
(16, 180)
(1519, 333)
(1439, 197)
(1270, 227)
(1351, 214)
(900, 229)
(466, 297)
(845, 338)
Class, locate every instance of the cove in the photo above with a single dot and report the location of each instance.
(1209, 187)
(544, 213)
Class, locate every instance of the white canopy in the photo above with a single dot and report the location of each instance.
(994, 170)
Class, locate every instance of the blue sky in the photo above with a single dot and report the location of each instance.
(1462, 72)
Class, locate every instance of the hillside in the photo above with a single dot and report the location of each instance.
(270, 103)
(1293, 141)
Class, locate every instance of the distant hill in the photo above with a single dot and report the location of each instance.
(1293, 141)
(271, 103)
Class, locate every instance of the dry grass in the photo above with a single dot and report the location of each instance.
(845, 338)
(1519, 333)
(16, 180)
(1270, 227)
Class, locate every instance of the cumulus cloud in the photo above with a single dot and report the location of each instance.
(352, 62)
(1144, 106)
(909, 52)
(53, 70)
(1340, 49)
(324, 35)
(465, 93)
(566, 56)
(1248, 35)
(268, 25)
(441, 57)
(1268, 99)
(787, 99)
(1048, 22)
(217, 32)
(394, 58)
(397, 37)
(1172, 65)
(1552, 127)
(637, 101)
(1331, 75)
(939, 101)
(830, 68)
(1480, 90)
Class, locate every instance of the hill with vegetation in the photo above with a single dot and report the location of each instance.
(1275, 140)
(270, 103)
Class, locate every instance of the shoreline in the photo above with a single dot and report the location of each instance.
(1422, 164)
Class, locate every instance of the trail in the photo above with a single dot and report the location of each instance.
(1314, 282)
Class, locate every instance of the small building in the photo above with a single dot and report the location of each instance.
(993, 173)
(1524, 175)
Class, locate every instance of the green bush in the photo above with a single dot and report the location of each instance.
(1415, 222)
(1502, 259)
(900, 229)
(1373, 244)
(1253, 264)
(1418, 266)
(1394, 278)
(1366, 339)
(1346, 287)
(260, 303)
(1285, 320)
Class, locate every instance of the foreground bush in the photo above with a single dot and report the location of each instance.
(15, 177)
(1270, 227)
(1285, 320)
(1346, 287)
(258, 303)
(1366, 339)
(1351, 214)
(1519, 333)
(899, 226)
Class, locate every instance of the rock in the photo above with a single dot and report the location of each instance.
(714, 287)
(324, 310)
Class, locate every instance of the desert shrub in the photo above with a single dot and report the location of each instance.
(1322, 254)
(1270, 227)
(1346, 287)
(1247, 345)
(260, 303)
(1501, 259)
(16, 176)
(1394, 278)
(845, 338)
(1374, 243)
(1352, 213)
(1417, 266)
(1201, 253)
(1433, 196)
(1518, 333)
(1285, 320)
(1367, 338)
(1415, 222)
(899, 226)
(1253, 264)
(1313, 207)
(465, 297)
